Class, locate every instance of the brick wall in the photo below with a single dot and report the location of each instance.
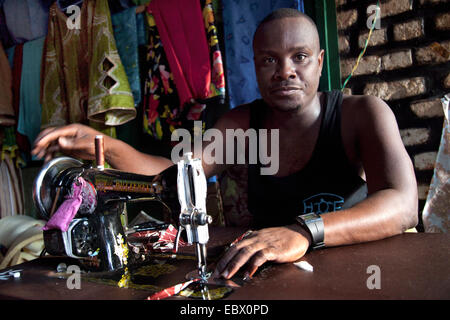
(407, 64)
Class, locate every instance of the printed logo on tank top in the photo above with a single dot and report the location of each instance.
(323, 203)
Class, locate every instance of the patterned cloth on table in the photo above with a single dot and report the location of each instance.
(240, 19)
(164, 109)
(83, 78)
(436, 214)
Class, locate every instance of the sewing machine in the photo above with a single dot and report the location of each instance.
(96, 234)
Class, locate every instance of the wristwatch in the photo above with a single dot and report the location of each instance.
(313, 223)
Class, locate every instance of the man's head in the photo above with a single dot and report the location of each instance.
(288, 59)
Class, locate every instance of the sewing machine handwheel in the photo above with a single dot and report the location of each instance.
(44, 189)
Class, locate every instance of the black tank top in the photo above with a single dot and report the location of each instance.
(328, 182)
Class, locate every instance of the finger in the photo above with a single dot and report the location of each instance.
(52, 148)
(48, 156)
(240, 259)
(228, 255)
(255, 262)
(52, 135)
(43, 133)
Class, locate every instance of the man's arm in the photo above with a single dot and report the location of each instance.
(77, 140)
(390, 208)
(391, 205)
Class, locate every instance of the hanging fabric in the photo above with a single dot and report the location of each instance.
(240, 19)
(17, 58)
(83, 79)
(11, 188)
(5, 37)
(29, 120)
(26, 19)
(175, 99)
(182, 31)
(6, 100)
(128, 31)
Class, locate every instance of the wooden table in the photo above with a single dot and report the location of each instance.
(411, 266)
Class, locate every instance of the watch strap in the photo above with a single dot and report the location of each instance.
(313, 223)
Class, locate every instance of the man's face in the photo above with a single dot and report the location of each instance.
(288, 63)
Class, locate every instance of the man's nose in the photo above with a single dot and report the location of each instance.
(286, 70)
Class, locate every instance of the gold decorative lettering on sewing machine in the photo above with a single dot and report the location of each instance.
(105, 184)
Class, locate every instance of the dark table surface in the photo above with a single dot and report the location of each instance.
(411, 266)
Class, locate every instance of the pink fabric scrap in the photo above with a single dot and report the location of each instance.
(68, 209)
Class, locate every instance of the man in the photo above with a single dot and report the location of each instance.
(328, 143)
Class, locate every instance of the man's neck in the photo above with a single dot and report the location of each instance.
(300, 119)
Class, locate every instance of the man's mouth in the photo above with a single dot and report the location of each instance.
(285, 90)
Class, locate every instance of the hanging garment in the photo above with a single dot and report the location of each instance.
(11, 188)
(82, 75)
(435, 215)
(240, 19)
(128, 37)
(22, 141)
(6, 102)
(217, 86)
(26, 19)
(116, 6)
(182, 31)
(164, 111)
(5, 37)
(140, 2)
(29, 121)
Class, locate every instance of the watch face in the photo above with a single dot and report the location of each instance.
(309, 217)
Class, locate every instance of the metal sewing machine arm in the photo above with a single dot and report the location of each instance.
(192, 190)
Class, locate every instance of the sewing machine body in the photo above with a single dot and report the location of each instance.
(96, 235)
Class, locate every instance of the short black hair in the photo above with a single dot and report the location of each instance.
(284, 13)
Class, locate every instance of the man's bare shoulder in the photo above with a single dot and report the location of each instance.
(236, 118)
(361, 108)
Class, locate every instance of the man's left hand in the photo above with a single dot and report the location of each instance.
(280, 244)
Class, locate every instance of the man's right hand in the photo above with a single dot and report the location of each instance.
(75, 140)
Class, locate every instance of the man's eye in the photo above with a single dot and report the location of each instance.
(300, 57)
(269, 60)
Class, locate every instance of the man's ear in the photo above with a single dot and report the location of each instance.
(320, 57)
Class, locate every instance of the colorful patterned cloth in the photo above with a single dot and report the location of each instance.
(240, 19)
(83, 77)
(164, 111)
